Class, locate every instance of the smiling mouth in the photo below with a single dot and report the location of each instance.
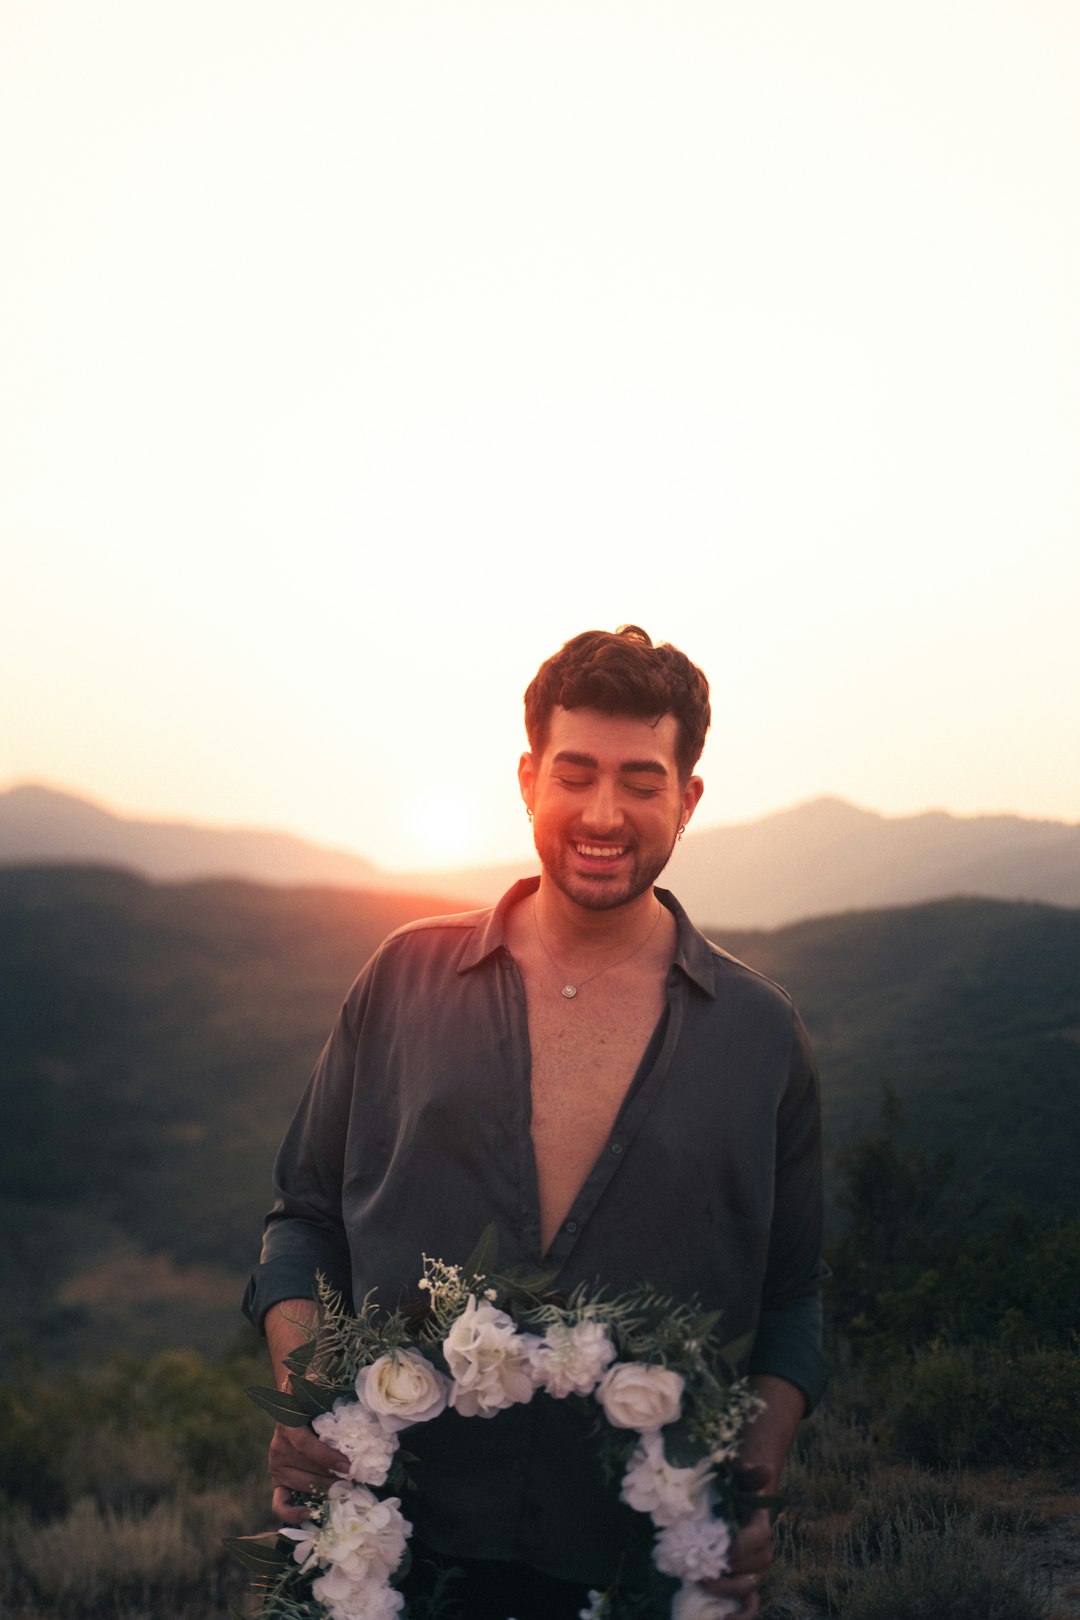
(601, 852)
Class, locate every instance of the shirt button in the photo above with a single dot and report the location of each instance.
(616, 1148)
(571, 1227)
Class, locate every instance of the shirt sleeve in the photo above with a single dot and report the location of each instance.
(789, 1333)
(304, 1235)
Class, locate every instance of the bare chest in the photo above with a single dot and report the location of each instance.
(585, 1054)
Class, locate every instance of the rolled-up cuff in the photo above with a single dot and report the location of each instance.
(788, 1345)
(285, 1278)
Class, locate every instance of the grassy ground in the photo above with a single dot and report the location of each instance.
(866, 1534)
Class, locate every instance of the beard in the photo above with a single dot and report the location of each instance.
(598, 891)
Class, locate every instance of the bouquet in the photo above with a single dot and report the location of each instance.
(669, 1407)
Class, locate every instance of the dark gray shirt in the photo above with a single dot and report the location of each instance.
(413, 1135)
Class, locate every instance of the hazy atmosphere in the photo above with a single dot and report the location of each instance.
(355, 358)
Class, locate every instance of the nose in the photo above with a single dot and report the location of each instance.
(602, 813)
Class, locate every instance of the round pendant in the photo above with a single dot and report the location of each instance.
(569, 991)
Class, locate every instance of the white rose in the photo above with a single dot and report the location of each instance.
(653, 1486)
(489, 1360)
(692, 1603)
(640, 1397)
(402, 1389)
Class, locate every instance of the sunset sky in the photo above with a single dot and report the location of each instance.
(356, 355)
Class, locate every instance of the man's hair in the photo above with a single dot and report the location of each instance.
(622, 674)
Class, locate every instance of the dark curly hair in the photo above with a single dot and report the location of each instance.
(622, 673)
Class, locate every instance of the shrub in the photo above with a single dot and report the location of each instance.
(906, 1571)
(130, 1432)
(988, 1406)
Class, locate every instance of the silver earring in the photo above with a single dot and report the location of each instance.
(682, 829)
(529, 813)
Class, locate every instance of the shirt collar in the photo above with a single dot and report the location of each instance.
(693, 953)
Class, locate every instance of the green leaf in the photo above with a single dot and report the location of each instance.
(300, 1359)
(680, 1449)
(481, 1263)
(735, 1353)
(313, 1398)
(263, 1554)
(284, 1409)
(532, 1282)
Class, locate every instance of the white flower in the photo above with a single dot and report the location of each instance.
(653, 1486)
(693, 1549)
(350, 1428)
(306, 1539)
(360, 1539)
(571, 1360)
(364, 1600)
(402, 1389)
(691, 1603)
(489, 1361)
(637, 1396)
(599, 1607)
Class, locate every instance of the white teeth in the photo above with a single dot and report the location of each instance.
(607, 853)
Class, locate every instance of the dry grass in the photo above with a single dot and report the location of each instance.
(98, 1562)
(866, 1536)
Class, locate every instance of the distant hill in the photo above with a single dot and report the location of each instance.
(154, 1039)
(39, 824)
(828, 856)
(817, 859)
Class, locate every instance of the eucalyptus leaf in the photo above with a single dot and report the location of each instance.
(300, 1359)
(735, 1353)
(312, 1398)
(263, 1554)
(532, 1282)
(284, 1409)
(481, 1263)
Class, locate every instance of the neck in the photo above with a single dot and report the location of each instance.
(569, 926)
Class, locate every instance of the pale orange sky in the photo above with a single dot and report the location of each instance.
(355, 358)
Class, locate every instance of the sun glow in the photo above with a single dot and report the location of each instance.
(443, 830)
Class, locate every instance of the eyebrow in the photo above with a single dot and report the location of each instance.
(629, 767)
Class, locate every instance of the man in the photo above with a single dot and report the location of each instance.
(626, 1102)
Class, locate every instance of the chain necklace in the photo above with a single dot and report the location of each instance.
(570, 990)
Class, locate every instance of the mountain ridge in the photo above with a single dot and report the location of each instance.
(823, 856)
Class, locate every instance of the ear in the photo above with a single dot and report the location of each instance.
(526, 779)
(692, 792)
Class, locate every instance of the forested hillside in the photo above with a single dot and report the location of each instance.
(153, 1040)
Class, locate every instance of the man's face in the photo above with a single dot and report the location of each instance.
(606, 803)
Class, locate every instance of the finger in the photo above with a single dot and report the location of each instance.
(301, 1479)
(741, 1589)
(752, 1547)
(304, 1447)
(285, 1509)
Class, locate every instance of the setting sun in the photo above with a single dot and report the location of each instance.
(443, 830)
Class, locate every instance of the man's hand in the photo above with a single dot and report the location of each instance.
(762, 1456)
(751, 1551)
(299, 1461)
